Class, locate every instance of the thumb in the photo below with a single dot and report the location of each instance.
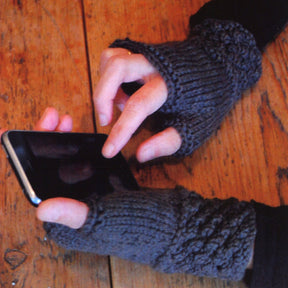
(65, 211)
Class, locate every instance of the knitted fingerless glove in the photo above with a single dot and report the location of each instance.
(205, 76)
(171, 230)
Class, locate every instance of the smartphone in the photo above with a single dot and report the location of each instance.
(56, 164)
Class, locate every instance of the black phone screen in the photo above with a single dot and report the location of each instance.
(66, 164)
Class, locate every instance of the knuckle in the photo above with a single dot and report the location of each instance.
(106, 54)
(116, 63)
(97, 101)
(136, 105)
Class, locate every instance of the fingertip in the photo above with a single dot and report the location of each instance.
(103, 119)
(64, 211)
(109, 150)
(103, 107)
(2, 130)
(165, 143)
(145, 153)
(65, 124)
(49, 120)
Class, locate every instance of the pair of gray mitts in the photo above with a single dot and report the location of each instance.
(177, 230)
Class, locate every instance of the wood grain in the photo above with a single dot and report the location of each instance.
(43, 63)
(49, 55)
(246, 158)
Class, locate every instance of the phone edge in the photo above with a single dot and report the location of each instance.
(21, 175)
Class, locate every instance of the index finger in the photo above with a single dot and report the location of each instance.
(140, 105)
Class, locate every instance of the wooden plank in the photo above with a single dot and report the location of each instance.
(42, 53)
(246, 158)
(43, 63)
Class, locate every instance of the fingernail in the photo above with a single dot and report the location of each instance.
(46, 121)
(53, 216)
(108, 150)
(103, 119)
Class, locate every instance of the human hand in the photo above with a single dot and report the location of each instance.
(118, 66)
(69, 212)
(63, 211)
(205, 75)
(110, 225)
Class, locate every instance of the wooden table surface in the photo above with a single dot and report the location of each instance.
(49, 56)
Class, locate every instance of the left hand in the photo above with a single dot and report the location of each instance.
(65, 211)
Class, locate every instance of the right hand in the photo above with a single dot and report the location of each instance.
(117, 66)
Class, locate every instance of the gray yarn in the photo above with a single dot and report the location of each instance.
(171, 230)
(205, 76)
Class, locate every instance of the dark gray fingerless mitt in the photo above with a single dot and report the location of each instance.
(171, 230)
(205, 76)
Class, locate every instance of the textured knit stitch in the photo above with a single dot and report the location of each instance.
(205, 75)
(265, 19)
(171, 230)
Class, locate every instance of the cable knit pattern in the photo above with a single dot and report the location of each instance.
(229, 42)
(205, 75)
(171, 230)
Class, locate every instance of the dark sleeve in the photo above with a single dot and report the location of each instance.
(263, 18)
(270, 265)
